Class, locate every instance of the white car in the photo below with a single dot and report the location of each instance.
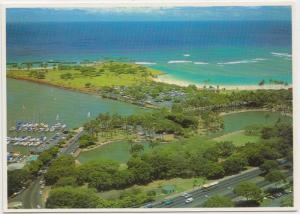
(189, 200)
(186, 195)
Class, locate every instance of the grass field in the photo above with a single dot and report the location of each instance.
(238, 138)
(118, 151)
(111, 75)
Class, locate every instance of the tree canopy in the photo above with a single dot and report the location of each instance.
(218, 201)
(249, 190)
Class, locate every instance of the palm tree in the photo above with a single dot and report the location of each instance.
(131, 142)
(45, 66)
(28, 65)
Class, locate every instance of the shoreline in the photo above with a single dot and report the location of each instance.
(97, 146)
(255, 110)
(54, 85)
(183, 83)
(243, 110)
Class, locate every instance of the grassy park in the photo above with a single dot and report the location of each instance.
(87, 77)
(238, 138)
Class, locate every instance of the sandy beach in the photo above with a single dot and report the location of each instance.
(169, 80)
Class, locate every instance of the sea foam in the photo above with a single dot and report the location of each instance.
(242, 61)
(179, 61)
(145, 63)
(281, 54)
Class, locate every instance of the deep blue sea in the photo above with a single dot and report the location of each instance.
(231, 52)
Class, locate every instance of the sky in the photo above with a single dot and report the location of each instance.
(17, 15)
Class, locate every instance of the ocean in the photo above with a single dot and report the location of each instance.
(216, 52)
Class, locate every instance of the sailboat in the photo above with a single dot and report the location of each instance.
(57, 117)
(89, 114)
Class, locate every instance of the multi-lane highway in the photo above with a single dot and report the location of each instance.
(203, 193)
(224, 187)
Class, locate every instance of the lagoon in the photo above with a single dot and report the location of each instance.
(240, 120)
(28, 101)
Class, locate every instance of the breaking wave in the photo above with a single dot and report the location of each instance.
(179, 61)
(242, 61)
(145, 63)
(281, 54)
(201, 63)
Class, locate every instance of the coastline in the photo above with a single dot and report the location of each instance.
(169, 80)
(54, 85)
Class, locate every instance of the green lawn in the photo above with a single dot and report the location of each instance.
(198, 141)
(118, 151)
(238, 138)
(110, 76)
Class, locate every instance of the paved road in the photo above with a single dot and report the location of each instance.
(263, 184)
(73, 143)
(199, 194)
(31, 197)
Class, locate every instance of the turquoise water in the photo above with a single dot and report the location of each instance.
(217, 52)
(27, 101)
(230, 66)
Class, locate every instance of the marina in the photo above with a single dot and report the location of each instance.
(37, 127)
(28, 137)
(27, 140)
